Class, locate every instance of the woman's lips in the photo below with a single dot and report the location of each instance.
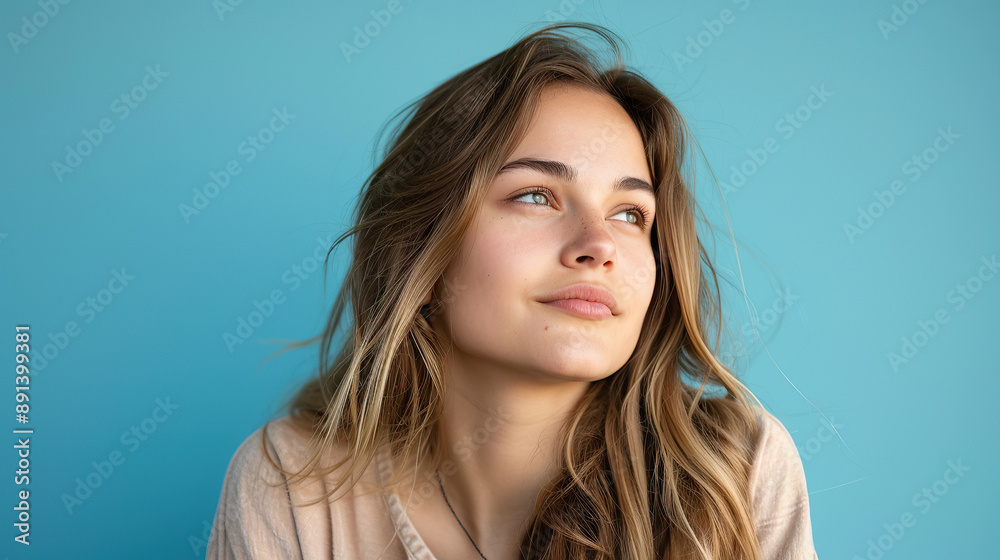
(582, 308)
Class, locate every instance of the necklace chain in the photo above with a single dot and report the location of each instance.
(441, 486)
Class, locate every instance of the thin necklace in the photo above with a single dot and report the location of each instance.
(441, 486)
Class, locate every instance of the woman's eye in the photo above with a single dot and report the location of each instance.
(635, 215)
(534, 198)
(632, 216)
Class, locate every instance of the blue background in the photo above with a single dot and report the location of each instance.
(847, 301)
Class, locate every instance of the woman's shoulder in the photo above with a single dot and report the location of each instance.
(283, 446)
(261, 514)
(286, 438)
(778, 492)
(773, 438)
(281, 439)
(260, 465)
(255, 517)
(777, 470)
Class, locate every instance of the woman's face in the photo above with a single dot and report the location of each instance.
(508, 298)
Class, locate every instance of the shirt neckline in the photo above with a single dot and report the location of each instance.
(407, 533)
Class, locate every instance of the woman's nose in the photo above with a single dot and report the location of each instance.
(589, 241)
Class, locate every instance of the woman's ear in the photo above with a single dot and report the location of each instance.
(425, 310)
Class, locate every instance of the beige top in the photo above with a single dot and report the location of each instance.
(255, 520)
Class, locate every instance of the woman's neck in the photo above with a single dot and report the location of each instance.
(501, 436)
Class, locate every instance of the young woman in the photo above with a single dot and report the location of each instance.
(527, 351)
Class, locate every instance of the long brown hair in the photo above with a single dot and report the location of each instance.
(655, 466)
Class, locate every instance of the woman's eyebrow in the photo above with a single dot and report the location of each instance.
(566, 173)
